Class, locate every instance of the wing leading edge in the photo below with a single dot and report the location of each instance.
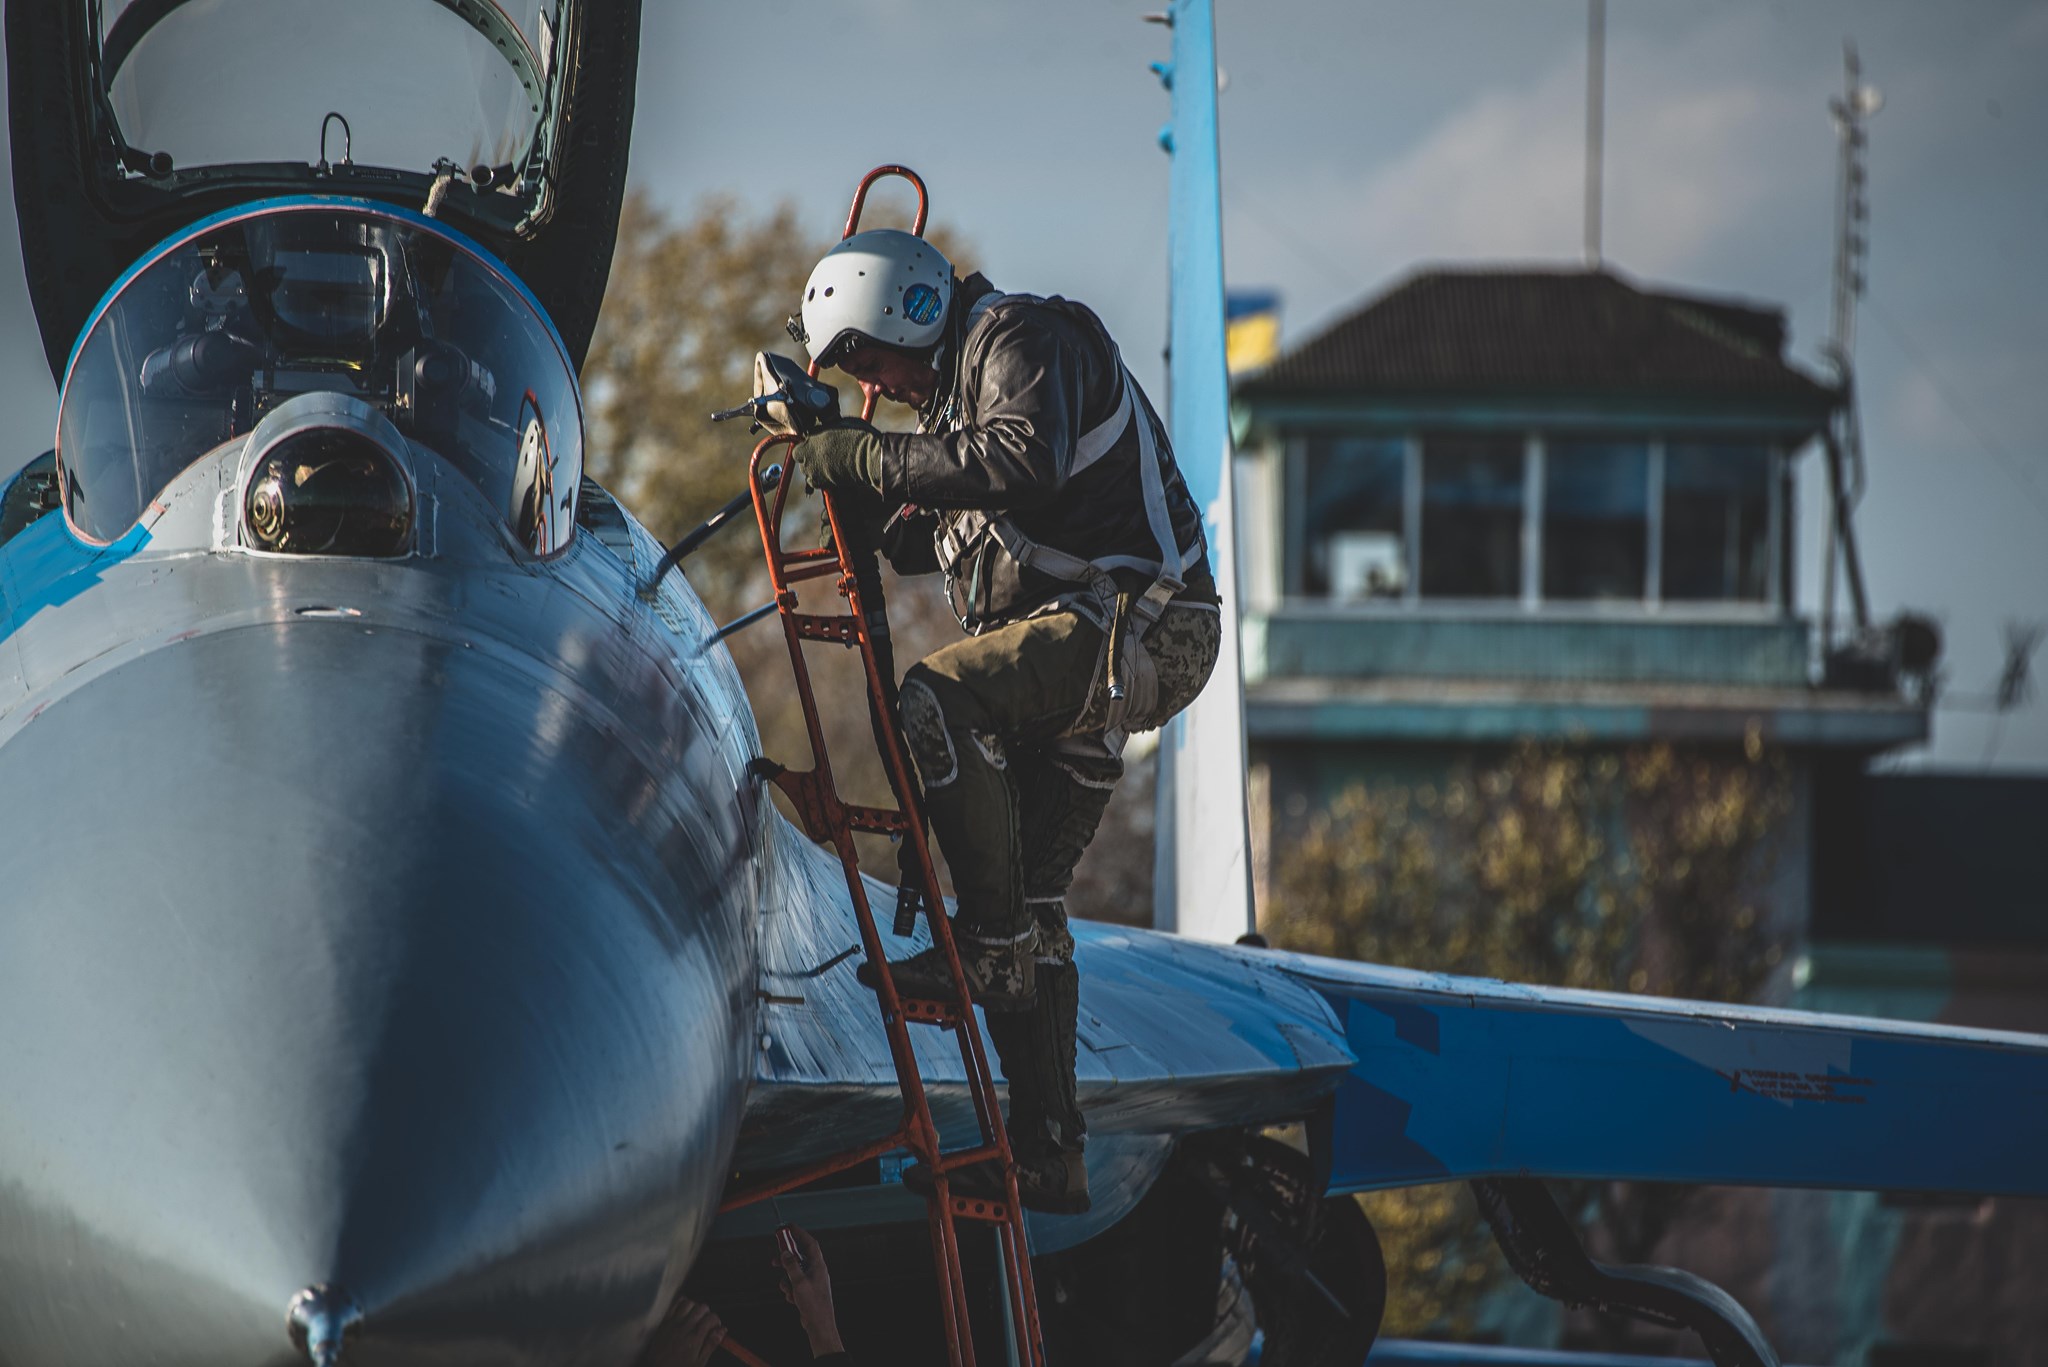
(1438, 1078)
(1175, 1035)
(1463, 1077)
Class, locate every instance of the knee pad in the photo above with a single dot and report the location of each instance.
(924, 732)
(1055, 941)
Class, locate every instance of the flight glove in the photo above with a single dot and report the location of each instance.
(848, 456)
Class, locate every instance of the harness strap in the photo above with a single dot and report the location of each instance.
(1050, 560)
(1096, 442)
(1172, 561)
(1128, 671)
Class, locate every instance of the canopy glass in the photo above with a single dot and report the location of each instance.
(419, 82)
(283, 298)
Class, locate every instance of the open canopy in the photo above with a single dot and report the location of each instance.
(416, 84)
(132, 118)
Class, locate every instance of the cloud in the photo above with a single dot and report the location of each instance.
(1688, 170)
(1499, 178)
(2030, 29)
(1919, 418)
(1692, 154)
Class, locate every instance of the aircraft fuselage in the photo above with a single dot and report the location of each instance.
(387, 924)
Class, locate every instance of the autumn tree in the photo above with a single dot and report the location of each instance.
(1637, 870)
(687, 307)
(689, 303)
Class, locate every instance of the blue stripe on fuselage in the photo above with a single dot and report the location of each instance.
(45, 566)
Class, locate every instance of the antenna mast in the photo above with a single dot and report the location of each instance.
(1596, 122)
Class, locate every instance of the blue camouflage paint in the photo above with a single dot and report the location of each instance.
(45, 566)
(1515, 1080)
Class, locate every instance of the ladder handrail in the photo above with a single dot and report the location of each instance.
(860, 198)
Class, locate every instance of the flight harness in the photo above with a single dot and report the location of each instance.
(1128, 669)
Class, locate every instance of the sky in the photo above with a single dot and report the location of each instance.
(1363, 138)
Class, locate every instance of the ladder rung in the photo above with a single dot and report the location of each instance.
(923, 1011)
(877, 820)
(800, 573)
(967, 1158)
(979, 1208)
(840, 627)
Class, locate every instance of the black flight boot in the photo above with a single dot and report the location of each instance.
(1001, 975)
(1051, 1180)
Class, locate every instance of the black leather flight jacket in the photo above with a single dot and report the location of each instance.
(1027, 377)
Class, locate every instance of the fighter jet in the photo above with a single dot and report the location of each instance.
(398, 955)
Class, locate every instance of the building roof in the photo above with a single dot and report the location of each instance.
(1535, 330)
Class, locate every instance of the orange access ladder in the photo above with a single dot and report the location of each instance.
(829, 819)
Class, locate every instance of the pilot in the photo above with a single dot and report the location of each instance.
(1040, 483)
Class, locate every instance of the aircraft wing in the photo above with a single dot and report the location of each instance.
(1175, 1035)
(1431, 1077)
(1472, 1077)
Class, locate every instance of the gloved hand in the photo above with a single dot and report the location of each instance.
(796, 404)
(848, 456)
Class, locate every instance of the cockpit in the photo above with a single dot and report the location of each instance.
(400, 325)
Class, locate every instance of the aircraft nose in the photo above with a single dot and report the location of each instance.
(355, 959)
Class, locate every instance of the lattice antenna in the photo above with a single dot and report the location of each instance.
(2015, 681)
(1850, 111)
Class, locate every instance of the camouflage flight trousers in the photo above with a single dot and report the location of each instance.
(1008, 730)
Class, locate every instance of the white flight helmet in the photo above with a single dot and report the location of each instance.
(886, 285)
